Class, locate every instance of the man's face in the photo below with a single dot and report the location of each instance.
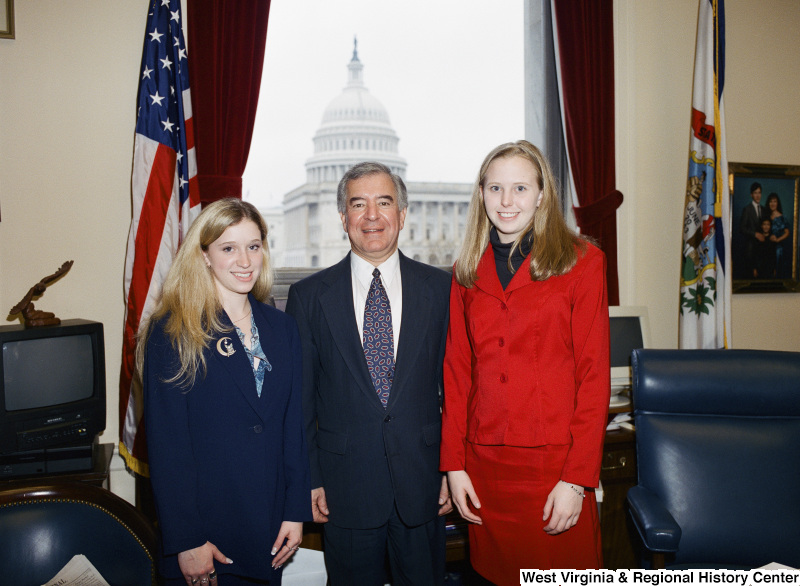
(372, 217)
(756, 195)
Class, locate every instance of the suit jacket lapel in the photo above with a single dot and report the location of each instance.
(414, 323)
(269, 344)
(236, 364)
(337, 305)
(488, 281)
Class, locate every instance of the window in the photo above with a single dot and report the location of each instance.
(416, 112)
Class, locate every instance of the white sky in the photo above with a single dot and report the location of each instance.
(449, 72)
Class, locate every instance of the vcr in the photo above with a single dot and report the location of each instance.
(51, 460)
(74, 432)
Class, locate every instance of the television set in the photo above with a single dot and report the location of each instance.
(629, 329)
(52, 396)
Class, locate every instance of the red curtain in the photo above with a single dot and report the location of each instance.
(226, 42)
(586, 57)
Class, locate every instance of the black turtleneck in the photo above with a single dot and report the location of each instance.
(501, 252)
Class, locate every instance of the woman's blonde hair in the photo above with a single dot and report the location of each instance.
(553, 249)
(189, 300)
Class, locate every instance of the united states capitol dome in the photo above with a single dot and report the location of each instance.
(356, 104)
(355, 127)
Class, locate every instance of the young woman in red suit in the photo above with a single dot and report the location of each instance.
(526, 375)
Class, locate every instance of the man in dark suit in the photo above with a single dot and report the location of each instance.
(750, 228)
(373, 331)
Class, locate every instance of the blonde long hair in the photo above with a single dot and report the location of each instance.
(554, 244)
(189, 300)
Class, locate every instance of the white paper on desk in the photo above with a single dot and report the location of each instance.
(305, 568)
(618, 418)
(79, 571)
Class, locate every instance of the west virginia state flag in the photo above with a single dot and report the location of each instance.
(705, 304)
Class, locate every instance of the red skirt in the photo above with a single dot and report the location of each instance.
(512, 485)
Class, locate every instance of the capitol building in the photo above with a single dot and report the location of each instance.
(306, 231)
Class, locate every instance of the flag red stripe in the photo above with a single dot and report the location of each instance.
(150, 231)
(194, 192)
(188, 129)
(151, 227)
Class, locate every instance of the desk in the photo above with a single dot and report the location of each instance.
(98, 475)
(618, 474)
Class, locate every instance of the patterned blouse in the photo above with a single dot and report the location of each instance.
(255, 352)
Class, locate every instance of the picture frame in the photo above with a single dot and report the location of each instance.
(6, 19)
(764, 216)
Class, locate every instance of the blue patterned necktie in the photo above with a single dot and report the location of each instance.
(378, 338)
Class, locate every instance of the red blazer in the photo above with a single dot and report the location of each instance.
(528, 366)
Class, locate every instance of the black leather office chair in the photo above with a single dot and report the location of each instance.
(718, 455)
(42, 528)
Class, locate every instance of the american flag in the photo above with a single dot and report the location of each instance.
(165, 198)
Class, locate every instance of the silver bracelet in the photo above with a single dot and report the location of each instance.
(572, 486)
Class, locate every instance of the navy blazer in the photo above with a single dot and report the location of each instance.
(226, 465)
(365, 456)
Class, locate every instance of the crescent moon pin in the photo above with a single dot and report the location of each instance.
(225, 347)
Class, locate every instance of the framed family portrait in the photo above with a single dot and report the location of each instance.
(764, 243)
(6, 19)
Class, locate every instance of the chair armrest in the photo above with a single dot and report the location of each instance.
(656, 526)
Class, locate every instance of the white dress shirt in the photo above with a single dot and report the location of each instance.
(361, 272)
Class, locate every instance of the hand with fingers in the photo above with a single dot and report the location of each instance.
(319, 505)
(563, 507)
(463, 493)
(288, 542)
(197, 565)
(445, 502)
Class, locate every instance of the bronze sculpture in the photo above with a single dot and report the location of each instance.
(33, 317)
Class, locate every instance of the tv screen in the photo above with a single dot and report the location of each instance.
(628, 330)
(48, 371)
(626, 336)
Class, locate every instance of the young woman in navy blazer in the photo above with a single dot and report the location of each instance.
(526, 375)
(222, 375)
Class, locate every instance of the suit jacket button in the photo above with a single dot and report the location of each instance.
(387, 419)
(258, 429)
